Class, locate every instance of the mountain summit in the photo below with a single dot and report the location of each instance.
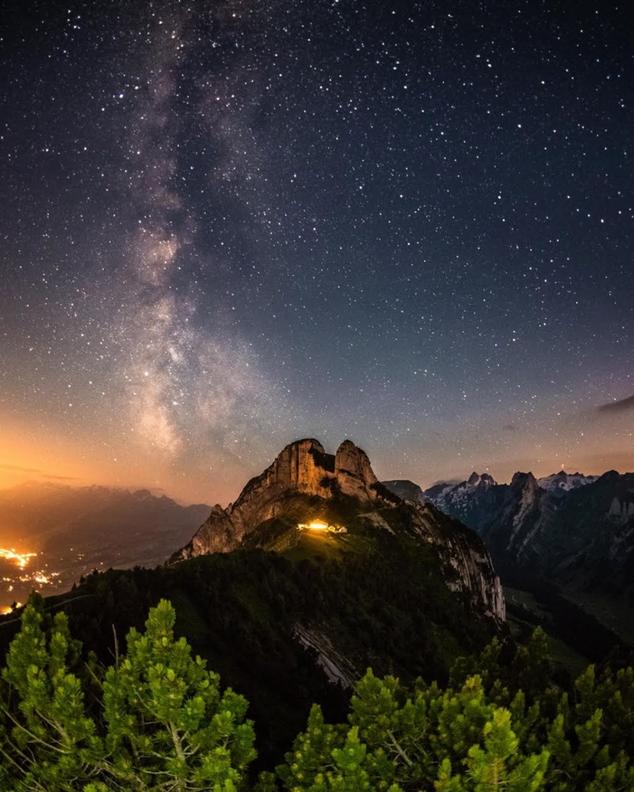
(302, 468)
(306, 487)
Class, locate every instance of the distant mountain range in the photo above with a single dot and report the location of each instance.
(73, 530)
(566, 529)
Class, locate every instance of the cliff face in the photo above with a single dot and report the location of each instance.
(303, 470)
(354, 474)
(462, 551)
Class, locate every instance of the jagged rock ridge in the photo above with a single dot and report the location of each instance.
(305, 470)
(567, 529)
(302, 467)
(565, 481)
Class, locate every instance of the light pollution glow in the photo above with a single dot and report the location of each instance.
(6, 609)
(20, 559)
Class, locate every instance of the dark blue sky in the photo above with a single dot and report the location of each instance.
(226, 225)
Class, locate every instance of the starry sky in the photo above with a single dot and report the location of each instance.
(228, 224)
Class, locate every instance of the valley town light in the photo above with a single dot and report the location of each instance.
(21, 559)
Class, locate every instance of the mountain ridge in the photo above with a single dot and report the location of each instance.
(569, 530)
(339, 483)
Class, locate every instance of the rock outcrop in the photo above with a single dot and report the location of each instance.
(406, 490)
(353, 472)
(302, 468)
(463, 554)
(305, 470)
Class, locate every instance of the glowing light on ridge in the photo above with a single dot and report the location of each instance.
(320, 525)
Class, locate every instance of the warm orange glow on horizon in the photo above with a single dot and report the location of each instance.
(34, 451)
(31, 452)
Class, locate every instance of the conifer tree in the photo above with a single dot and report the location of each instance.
(162, 724)
(168, 726)
(50, 743)
(158, 721)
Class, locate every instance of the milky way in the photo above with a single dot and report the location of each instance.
(226, 225)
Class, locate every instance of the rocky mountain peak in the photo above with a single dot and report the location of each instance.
(304, 466)
(477, 480)
(353, 472)
(301, 468)
(524, 481)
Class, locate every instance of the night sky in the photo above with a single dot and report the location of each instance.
(227, 225)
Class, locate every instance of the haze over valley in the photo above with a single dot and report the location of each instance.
(52, 534)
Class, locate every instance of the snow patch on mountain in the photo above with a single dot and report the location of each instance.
(565, 481)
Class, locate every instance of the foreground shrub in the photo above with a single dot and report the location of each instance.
(157, 720)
